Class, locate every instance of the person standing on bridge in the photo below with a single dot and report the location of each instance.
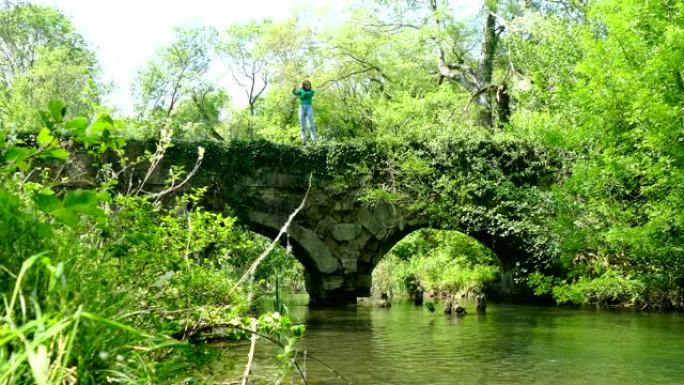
(305, 95)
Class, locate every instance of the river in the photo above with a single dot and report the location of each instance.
(508, 345)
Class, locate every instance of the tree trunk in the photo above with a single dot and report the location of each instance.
(250, 124)
(486, 68)
(503, 105)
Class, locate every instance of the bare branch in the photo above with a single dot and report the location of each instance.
(362, 71)
(252, 269)
(364, 62)
(252, 349)
(172, 188)
(456, 72)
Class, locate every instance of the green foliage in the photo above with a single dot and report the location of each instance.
(42, 58)
(616, 101)
(83, 279)
(579, 195)
(175, 75)
(438, 261)
(611, 288)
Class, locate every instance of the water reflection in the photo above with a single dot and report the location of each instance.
(509, 345)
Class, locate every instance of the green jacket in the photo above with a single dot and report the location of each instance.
(305, 97)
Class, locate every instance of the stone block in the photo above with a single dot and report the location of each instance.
(349, 265)
(335, 249)
(345, 231)
(345, 204)
(287, 180)
(372, 245)
(315, 213)
(360, 241)
(316, 249)
(324, 225)
(266, 220)
(349, 261)
(368, 220)
(382, 234)
(401, 223)
(364, 301)
(333, 282)
(384, 213)
(317, 199)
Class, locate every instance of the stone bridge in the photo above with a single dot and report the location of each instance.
(366, 196)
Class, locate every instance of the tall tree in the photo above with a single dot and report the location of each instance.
(476, 79)
(42, 58)
(174, 74)
(200, 114)
(454, 42)
(243, 48)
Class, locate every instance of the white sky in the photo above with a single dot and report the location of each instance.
(126, 33)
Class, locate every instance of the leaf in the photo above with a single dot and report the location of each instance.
(83, 201)
(106, 118)
(47, 120)
(66, 216)
(57, 110)
(80, 199)
(103, 196)
(39, 363)
(44, 137)
(77, 125)
(58, 153)
(47, 201)
(17, 154)
(100, 125)
(23, 166)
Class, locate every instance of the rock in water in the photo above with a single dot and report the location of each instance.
(418, 297)
(481, 303)
(430, 306)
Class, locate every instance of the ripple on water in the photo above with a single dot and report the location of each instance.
(509, 345)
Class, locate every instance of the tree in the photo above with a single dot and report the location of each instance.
(453, 42)
(176, 73)
(201, 112)
(477, 79)
(242, 47)
(42, 58)
(294, 56)
(615, 84)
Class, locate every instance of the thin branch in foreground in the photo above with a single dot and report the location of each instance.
(252, 269)
(174, 187)
(252, 349)
(249, 274)
(162, 146)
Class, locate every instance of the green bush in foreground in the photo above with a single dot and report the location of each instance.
(104, 287)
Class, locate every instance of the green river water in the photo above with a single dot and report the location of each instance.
(508, 345)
